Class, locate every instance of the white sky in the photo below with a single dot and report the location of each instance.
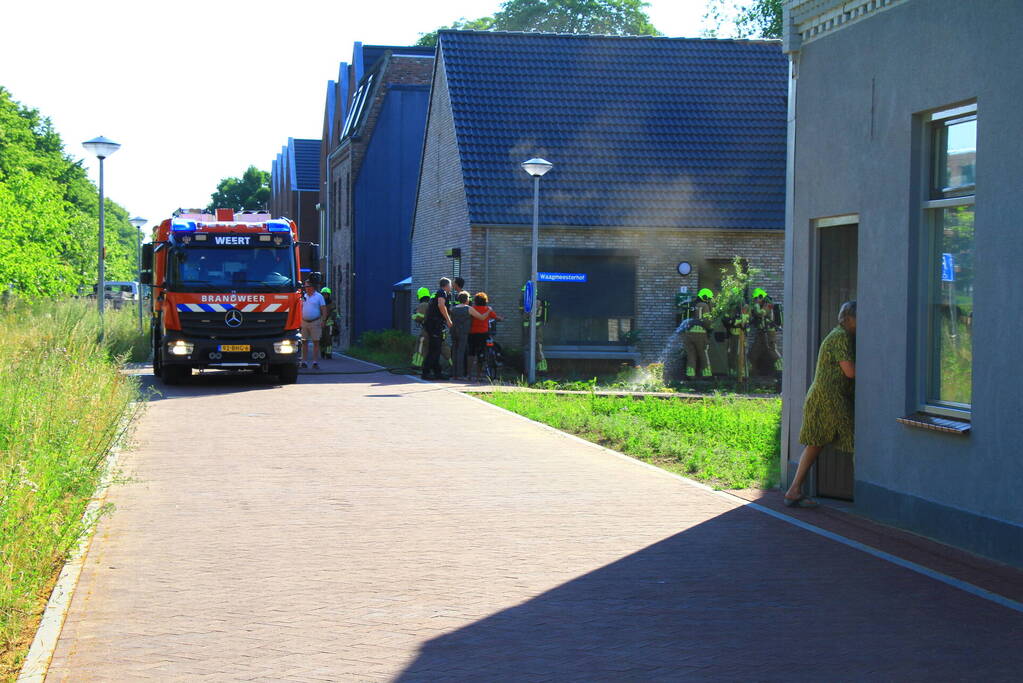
(197, 90)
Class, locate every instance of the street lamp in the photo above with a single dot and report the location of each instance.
(137, 222)
(101, 147)
(535, 167)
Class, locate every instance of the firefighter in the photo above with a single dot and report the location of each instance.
(329, 324)
(764, 323)
(541, 318)
(694, 338)
(419, 350)
(734, 321)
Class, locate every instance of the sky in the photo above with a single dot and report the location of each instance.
(196, 90)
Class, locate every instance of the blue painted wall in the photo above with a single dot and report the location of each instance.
(385, 195)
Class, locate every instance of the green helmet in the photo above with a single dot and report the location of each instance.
(325, 290)
(759, 292)
(706, 294)
(421, 292)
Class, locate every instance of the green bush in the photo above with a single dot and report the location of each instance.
(728, 442)
(62, 403)
(387, 341)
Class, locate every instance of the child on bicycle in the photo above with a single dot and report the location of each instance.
(481, 314)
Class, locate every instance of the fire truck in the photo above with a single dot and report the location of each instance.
(226, 294)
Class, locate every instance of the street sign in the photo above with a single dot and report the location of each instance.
(527, 297)
(948, 268)
(562, 277)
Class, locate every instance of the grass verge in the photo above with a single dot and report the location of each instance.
(725, 442)
(62, 404)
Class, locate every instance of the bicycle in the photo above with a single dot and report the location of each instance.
(490, 358)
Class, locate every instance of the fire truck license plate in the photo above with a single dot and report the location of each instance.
(228, 348)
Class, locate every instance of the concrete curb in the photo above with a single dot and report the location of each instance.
(880, 554)
(40, 653)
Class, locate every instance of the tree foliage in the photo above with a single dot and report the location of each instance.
(609, 17)
(251, 192)
(750, 18)
(49, 212)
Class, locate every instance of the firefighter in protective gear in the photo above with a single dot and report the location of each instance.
(694, 336)
(541, 318)
(329, 325)
(735, 322)
(764, 323)
(419, 350)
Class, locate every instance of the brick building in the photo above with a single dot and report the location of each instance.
(374, 120)
(295, 190)
(665, 151)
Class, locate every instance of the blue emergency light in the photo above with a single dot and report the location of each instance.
(278, 226)
(183, 226)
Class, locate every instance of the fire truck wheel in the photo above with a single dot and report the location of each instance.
(175, 374)
(287, 374)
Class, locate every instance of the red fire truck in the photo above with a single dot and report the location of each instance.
(226, 294)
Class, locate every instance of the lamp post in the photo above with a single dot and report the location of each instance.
(101, 147)
(535, 167)
(138, 222)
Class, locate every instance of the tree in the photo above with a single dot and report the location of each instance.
(49, 211)
(251, 192)
(750, 18)
(610, 17)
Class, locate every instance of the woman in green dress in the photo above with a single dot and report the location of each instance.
(828, 411)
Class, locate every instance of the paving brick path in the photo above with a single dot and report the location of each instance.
(365, 528)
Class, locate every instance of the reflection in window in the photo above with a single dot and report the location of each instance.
(951, 307)
(955, 144)
(950, 267)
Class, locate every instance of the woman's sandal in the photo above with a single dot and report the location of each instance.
(801, 502)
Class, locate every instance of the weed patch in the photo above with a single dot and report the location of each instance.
(726, 442)
(62, 402)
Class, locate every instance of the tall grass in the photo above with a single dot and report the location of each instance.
(727, 442)
(62, 403)
(390, 348)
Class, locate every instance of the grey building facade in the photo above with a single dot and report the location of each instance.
(904, 165)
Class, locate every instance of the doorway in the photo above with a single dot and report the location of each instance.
(837, 259)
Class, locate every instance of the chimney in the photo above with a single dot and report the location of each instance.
(225, 215)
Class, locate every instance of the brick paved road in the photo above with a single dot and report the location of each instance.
(418, 535)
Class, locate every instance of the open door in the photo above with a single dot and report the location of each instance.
(838, 259)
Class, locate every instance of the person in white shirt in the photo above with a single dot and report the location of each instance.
(312, 324)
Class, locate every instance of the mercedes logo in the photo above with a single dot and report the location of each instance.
(233, 318)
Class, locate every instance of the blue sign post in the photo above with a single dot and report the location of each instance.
(948, 268)
(562, 277)
(528, 296)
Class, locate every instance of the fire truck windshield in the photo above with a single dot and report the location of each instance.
(216, 269)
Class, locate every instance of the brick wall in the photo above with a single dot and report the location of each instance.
(500, 260)
(339, 216)
(442, 215)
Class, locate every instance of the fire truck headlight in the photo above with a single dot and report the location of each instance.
(180, 348)
(285, 347)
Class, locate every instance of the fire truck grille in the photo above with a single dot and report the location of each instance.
(253, 325)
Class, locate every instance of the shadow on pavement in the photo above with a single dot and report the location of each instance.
(740, 597)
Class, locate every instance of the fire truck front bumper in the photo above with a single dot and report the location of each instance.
(232, 354)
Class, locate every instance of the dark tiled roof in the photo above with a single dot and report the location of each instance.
(642, 132)
(305, 169)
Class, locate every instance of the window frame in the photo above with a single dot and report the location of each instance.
(933, 202)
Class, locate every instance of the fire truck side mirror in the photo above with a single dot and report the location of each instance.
(146, 277)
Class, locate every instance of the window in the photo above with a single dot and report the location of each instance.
(598, 309)
(949, 262)
(355, 112)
